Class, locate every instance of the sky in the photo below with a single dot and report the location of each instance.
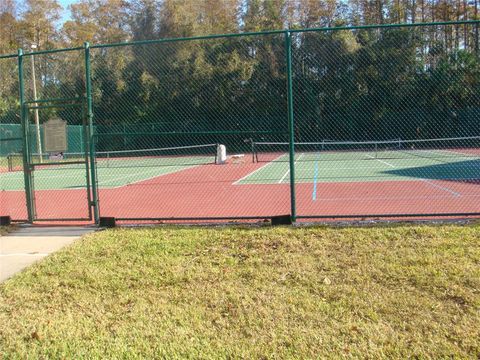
(66, 13)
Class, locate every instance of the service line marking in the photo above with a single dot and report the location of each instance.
(431, 183)
(260, 168)
(288, 171)
(383, 162)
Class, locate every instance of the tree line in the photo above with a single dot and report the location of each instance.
(106, 21)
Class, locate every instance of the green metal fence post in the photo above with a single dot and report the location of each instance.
(27, 171)
(93, 170)
(291, 125)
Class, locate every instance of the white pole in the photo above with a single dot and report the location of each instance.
(37, 121)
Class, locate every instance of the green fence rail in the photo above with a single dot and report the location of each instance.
(347, 123)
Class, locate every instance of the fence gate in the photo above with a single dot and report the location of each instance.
(57, 170)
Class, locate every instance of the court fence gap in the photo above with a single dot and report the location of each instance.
(346, 123)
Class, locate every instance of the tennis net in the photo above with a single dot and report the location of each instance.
(170, 156)
(445, 149)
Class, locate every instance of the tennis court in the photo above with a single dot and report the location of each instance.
(335, 179)
(368, 161)
(74, 178)
(375, 178)
(61, 186)
(114, 168)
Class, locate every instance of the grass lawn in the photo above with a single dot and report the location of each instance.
(313, 292)
(5, 229)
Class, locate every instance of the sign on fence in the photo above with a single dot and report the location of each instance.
(55, 135)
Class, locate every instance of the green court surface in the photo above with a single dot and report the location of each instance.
(367, 167)
(74, 177)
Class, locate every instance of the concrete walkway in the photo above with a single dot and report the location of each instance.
(28, 244)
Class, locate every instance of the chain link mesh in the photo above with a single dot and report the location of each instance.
(168, 108)
(391, 115)
(385, 124)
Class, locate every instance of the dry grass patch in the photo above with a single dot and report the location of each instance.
(316, 292)
(4, 230)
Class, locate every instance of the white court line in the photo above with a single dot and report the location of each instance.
(260, 168)
(383, 162)
(288, 171)
(450, 152)
(385, 178)
(24, 254)
(148, 178)
(126, 177)
(468, 155)
(174, 170)
(352, 168)
(454, 193)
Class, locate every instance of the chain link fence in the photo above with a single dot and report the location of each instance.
(169, 109)
(386, 121)
(12, 194)
(364, 122)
